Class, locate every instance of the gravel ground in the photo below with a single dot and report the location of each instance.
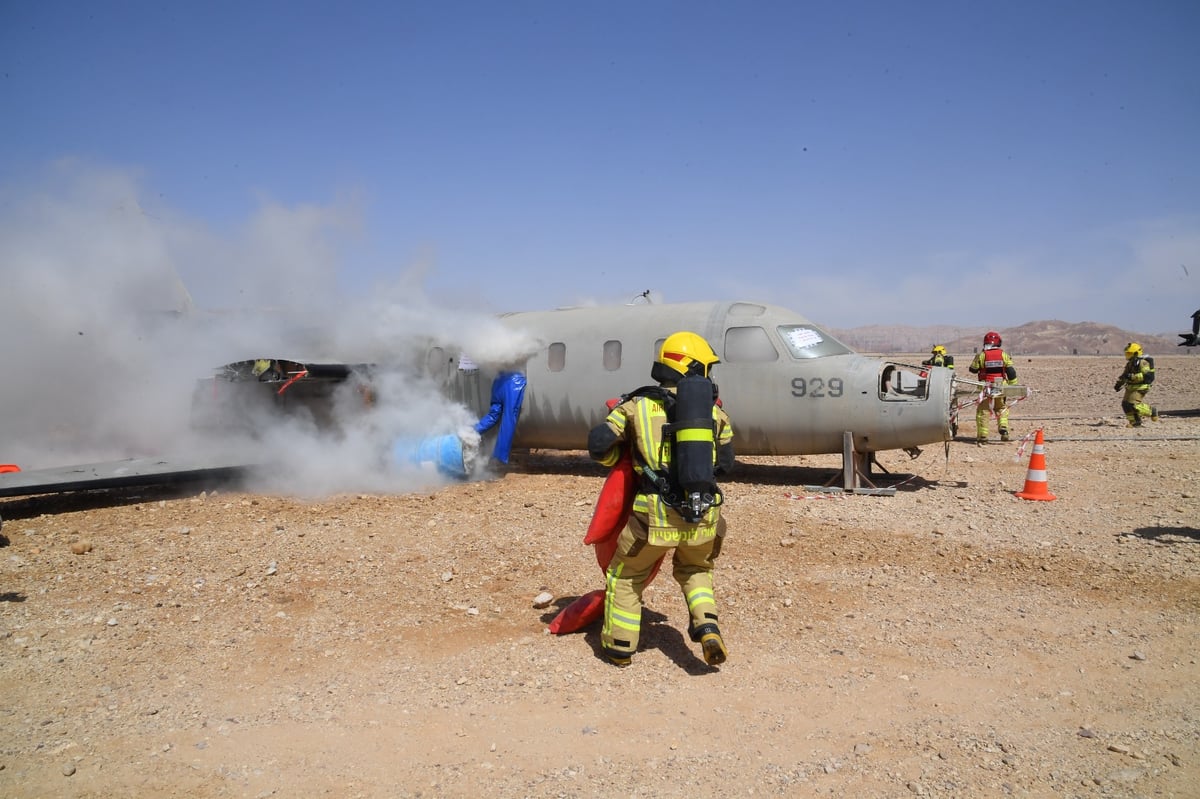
(950, 640)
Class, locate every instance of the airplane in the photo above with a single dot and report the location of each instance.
(790, 386)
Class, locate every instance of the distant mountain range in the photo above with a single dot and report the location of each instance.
(1033, 338)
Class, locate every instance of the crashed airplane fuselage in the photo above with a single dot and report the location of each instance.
(790, 387)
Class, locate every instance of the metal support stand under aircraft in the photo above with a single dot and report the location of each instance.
(856, 470)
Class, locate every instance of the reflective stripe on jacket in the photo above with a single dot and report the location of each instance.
(1138, 374)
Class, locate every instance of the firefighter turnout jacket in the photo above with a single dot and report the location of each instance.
(1138, 374)
(640, 421)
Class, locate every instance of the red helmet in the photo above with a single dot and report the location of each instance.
(991, 339)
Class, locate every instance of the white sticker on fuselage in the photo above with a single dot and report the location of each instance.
(803, 337)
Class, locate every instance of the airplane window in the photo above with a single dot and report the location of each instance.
(612, 355)
(748, 345)
(810, 341)
(557, 356)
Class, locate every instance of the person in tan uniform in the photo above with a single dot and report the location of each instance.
(1136, 378)
(939, 357)
(681, 440)
(995, 368)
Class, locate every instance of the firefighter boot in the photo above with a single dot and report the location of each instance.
(1153, 414)
(616, 657)
(1004, 434)
(711, 643)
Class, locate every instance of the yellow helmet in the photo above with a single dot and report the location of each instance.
(939, 350)
(260, 366)
(1133, 350)
(687, 353)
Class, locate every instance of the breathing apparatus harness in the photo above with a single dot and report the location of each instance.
(688, 485)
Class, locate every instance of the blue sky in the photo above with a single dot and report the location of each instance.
(963, 163)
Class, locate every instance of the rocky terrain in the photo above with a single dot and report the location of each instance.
(951, 640)
(1049, 337)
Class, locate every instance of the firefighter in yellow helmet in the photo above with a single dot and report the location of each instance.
(995, 368)
(938, 357)
(681, 440)
(266, 370)
(1136, 379)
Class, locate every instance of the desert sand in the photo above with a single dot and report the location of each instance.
(950, 640)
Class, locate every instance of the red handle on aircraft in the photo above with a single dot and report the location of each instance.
(291, 380)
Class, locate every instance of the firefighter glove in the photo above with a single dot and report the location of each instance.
(1117, 386)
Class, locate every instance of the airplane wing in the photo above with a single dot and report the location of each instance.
(116, 474)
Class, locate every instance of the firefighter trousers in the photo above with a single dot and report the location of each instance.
(1134, 405)
(988, 405)
(630, 570)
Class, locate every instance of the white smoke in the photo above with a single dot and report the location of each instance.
(104, 344)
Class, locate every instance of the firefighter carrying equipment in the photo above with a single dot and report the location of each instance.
(994, 368)
(1136, 378)
(1138, 374)
(608, 519)
(687, 449)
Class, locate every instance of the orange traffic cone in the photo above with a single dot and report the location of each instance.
(1035, 479)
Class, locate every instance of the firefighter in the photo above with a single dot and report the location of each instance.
(995, 368)
(267, 370)
(1136, 379)
(680, 439)
(938, 357)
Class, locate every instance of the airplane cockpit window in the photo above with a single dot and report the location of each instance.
(557, 357)
(612, 355)
(809, 341)
(749, 345)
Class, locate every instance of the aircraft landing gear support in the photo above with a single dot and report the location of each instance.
(856, 470)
